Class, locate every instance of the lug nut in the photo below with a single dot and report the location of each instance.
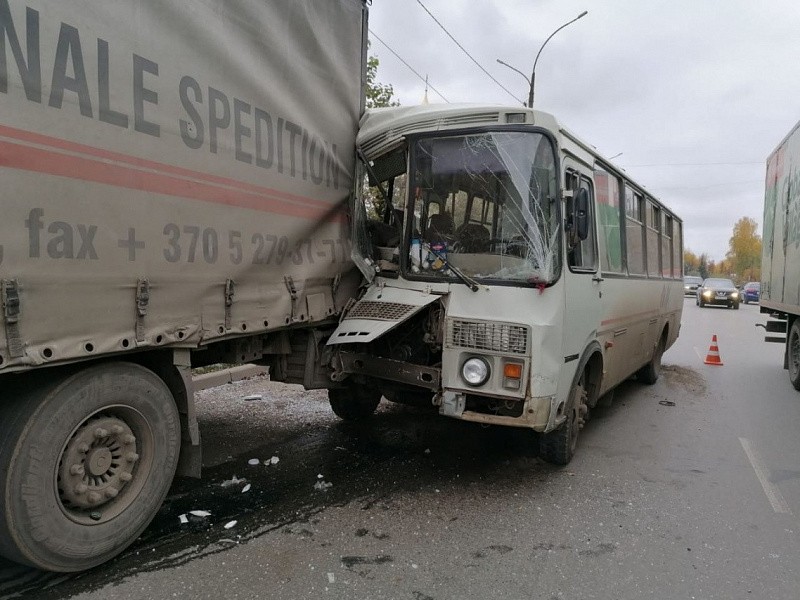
(81, 488)
(128, 439)
(125, 476)
(83, 448)
(100, 433)
(131, 457)
(76, 469)
(94, 497)
(111, 492)
(117, 429)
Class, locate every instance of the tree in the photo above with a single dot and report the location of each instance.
(744, 251)
(702, 267)
(378, 94)
(691, 263)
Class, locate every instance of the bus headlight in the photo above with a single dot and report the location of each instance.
(475, 371)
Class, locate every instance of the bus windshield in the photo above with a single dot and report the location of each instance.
(486, 204)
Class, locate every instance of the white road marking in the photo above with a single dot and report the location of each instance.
(700, 356)
(779, 504)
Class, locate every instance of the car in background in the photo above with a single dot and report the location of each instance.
(690, 285)
(751, 292)
(716, 291)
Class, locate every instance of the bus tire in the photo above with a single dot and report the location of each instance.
(793, 353)
(558, 447)
(650, 373)
(85, 462)
(354, 402)
(417, 399)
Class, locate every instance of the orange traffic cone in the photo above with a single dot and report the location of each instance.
(712, 358)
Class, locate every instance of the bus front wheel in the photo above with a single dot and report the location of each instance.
(558, 447)
(354, 402)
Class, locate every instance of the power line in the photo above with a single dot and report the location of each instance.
(373, 34)
(704, 187)
(464, 50)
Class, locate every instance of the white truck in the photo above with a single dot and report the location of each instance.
(175, 180)
(780, 258)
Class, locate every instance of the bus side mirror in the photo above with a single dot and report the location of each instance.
(581, 214)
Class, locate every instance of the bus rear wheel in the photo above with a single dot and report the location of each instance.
(650, 373)
(793, 354)
(86, 461)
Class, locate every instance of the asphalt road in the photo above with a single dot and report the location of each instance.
(689, 488)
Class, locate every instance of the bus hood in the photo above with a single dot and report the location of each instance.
(381, 309)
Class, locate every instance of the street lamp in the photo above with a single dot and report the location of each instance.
(533, 73)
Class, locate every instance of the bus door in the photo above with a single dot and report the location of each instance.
(583, 303)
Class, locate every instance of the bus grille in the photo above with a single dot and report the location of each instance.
(380, 311)
(493, 337)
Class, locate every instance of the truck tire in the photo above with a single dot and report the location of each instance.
(650, 373)
(85, 463)
(793, 354)
(354, 402)
(558, 447)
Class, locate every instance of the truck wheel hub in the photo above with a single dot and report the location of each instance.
(96, 464)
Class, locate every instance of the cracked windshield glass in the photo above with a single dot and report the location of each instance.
(485, 204)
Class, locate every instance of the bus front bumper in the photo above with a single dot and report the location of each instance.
(535, 412)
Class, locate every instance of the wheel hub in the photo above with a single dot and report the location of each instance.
(97, 463)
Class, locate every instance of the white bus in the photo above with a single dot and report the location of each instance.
(516, 276)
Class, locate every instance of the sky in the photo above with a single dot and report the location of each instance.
(693, 95)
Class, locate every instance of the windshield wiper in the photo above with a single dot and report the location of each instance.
(471, 283)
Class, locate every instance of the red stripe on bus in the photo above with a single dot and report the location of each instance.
(61, 144)
(629, 317)
(75, 167)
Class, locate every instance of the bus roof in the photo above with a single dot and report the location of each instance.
(383, 129)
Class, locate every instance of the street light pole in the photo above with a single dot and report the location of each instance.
(533, 73)
(525, 77)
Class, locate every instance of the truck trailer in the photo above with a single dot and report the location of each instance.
(780, 258)
(175, 181)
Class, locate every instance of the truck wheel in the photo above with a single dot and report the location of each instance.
(793, 351)
(85, 462)
(558, 447)
(650, 373)
(354, 403)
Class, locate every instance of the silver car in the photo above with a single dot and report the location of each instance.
(690, 285)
